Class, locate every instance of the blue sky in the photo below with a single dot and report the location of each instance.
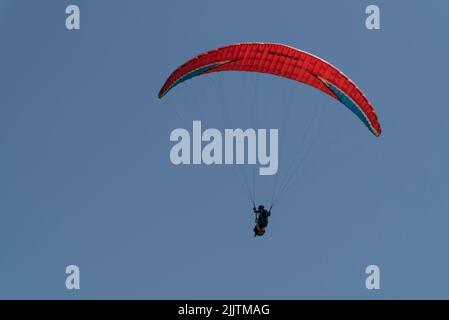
(85, 175)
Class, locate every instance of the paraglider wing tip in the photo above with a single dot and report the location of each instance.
(377, 132)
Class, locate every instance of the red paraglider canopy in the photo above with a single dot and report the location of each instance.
(283, 61)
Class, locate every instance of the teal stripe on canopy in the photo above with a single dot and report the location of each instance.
(350, 104)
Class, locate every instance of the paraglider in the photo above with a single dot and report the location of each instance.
(261, 221)
(283, 61)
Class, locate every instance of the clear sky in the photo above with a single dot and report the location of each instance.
(85, 175)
